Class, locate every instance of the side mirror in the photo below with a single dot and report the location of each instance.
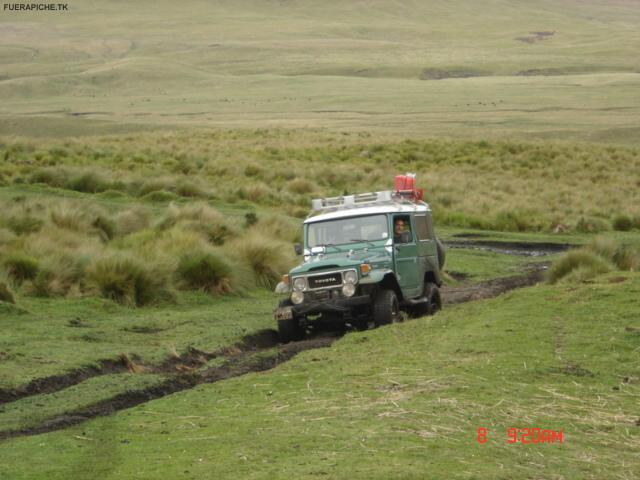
(298, 248)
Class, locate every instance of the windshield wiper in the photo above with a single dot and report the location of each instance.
(362, 240)
(328, 245)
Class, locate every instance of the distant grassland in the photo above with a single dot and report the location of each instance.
(509, 186)
(464, 69)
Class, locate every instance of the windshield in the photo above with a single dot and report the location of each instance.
(348, 230)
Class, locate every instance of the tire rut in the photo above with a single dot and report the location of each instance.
(241, 358)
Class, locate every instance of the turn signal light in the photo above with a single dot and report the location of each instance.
(285, 279)
(365, 268)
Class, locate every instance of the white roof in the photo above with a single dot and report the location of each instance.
(358, 211)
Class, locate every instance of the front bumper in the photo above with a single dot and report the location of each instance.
(331, 305)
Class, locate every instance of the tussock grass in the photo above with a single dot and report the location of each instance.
(21, 267)
(578, 265)
(200, 218)
(268, 259)
(622, 223)
(6, 295)
(207, 271)
(508, 186)
(140, 255)
(601, 255)
(129, 281)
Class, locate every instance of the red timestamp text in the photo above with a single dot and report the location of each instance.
(524, 435)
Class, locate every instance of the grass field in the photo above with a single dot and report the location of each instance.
(526, 70)
(562, 358)
(156, 161)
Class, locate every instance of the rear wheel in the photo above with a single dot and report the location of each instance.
(386, 308)
(433, 303)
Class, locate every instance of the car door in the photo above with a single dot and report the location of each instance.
(405, 257)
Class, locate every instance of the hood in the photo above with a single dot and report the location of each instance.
(339, 260)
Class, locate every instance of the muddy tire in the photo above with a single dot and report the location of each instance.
(441, 253)
(433, 303)
(432, 292)
(386, 308)
(290, 330)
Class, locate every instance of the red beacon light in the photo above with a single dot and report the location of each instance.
(405, 186)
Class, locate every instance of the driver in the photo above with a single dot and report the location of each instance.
(400, 235)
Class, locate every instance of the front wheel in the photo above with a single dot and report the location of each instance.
(386, 308)
(290, 330)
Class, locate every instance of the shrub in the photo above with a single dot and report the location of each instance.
(622, 223)
(24, 224)
(105, 227)
(21, 267)
(131, 221)
(128, 281)
(87, 182)
(250, 219)
(280, 227)
(59, 275)
(186, 188)
(5, 293)
(590, 264)
(268, 259)
(206, 271)
(200, 218)
(69, 218)
(253, 170)
(591, 225)
(623, 257)
(160, 196)
(54, 177)
(300, 186)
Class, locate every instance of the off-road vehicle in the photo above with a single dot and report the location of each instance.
(367, 257)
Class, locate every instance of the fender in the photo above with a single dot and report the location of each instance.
(375, 276)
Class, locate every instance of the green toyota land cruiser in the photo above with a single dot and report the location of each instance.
(367, 257)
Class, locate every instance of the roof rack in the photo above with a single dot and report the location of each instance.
(364, 199)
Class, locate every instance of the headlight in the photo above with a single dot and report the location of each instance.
(297, 298)
(348, 289)
(350, 277)
(299, 284)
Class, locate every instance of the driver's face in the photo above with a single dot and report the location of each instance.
(398, 227)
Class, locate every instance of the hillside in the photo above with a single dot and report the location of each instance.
(458, 69)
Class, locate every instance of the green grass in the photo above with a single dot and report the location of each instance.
(57, 335)
(557, 357)
(479, 265)
(341, 66)
(31, 411)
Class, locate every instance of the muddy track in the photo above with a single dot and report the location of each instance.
(526, 249)
(184, 363)
(251, 354)
(492, 288)
(238, 364)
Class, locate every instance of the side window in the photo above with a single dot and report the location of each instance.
(422, 230)
(402, 229)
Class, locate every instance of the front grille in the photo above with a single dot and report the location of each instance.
(326, 280)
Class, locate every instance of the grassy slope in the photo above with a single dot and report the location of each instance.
(352, 66)
(56, 335)
(561, 357)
